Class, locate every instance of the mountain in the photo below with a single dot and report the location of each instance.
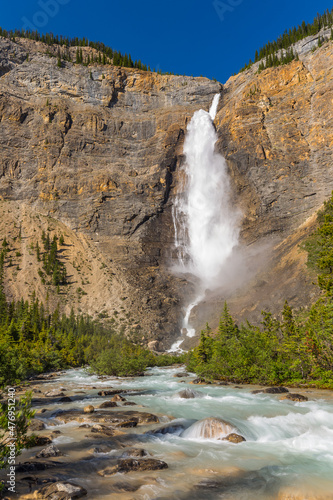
(94, 154)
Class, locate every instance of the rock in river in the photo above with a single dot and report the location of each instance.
(133, 465)
(49, 451)
(234, 438)
(61, 491)
(188, 394)
(89, 409)
(295, 397)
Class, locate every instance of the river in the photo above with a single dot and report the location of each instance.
(288, 448)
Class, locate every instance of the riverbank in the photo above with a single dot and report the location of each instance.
(103, 430)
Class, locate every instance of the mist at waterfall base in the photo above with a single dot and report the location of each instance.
(206, 225)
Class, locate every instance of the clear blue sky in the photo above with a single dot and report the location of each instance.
(183, 36)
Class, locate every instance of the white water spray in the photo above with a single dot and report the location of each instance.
(206, 228)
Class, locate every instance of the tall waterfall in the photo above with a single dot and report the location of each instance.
(206, 229)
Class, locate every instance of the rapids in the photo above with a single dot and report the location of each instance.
(288, 447)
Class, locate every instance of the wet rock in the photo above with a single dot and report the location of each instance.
(49, 451)
(34, 441)
(108, 404)
(295, 397)
(171, 428)
(209, 428)
(198, 380)
(109, 392)
(56, 393)
(61, 491)
(103, 429)
(271, 390)
(43, 410)
(65, 399)
(238, 387)
(127, 423)
(276, 390)
(34, 466)
(234, 438)
(129, 403)
(84, 426)
(89, 409)
(133, 465)
(135, 453)
(182, 374)
(117, 397)
(188, 394)
(126, 487)
(104, 416)
(45, 376)
(36, 425)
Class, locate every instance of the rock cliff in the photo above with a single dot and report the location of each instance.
(94, 153)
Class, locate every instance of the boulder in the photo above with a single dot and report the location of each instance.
(295, 397)
(105, 416)
(49, 451)
(129, 403)
(198, 380)
(65, 399)
(188, 394)
(234, 438)
(117, 397)
(34, 466)
(110, 392)
(170, 428)
(108, 404)
(36, 425)
(153, 345)
(89, 409)
(61, 490)
(133, 465)
(103, 429)
(56, 393)
(271, 390)
(133, 422)
(209, 428)
(34, 441)
(135, 452)
(182, 374)
(276, 390)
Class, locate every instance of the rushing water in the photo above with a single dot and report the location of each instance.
(206, 229)
(288, 447)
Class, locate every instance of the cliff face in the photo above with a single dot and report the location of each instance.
(94, 153)
(276, 132)
(91, 153)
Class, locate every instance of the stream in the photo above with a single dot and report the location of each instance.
(288, 448)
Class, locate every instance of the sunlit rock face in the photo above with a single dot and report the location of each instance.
(92, 152)
(96, 153)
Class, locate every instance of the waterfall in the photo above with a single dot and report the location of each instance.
(206, 226)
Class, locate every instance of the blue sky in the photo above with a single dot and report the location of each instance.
(183, 36)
